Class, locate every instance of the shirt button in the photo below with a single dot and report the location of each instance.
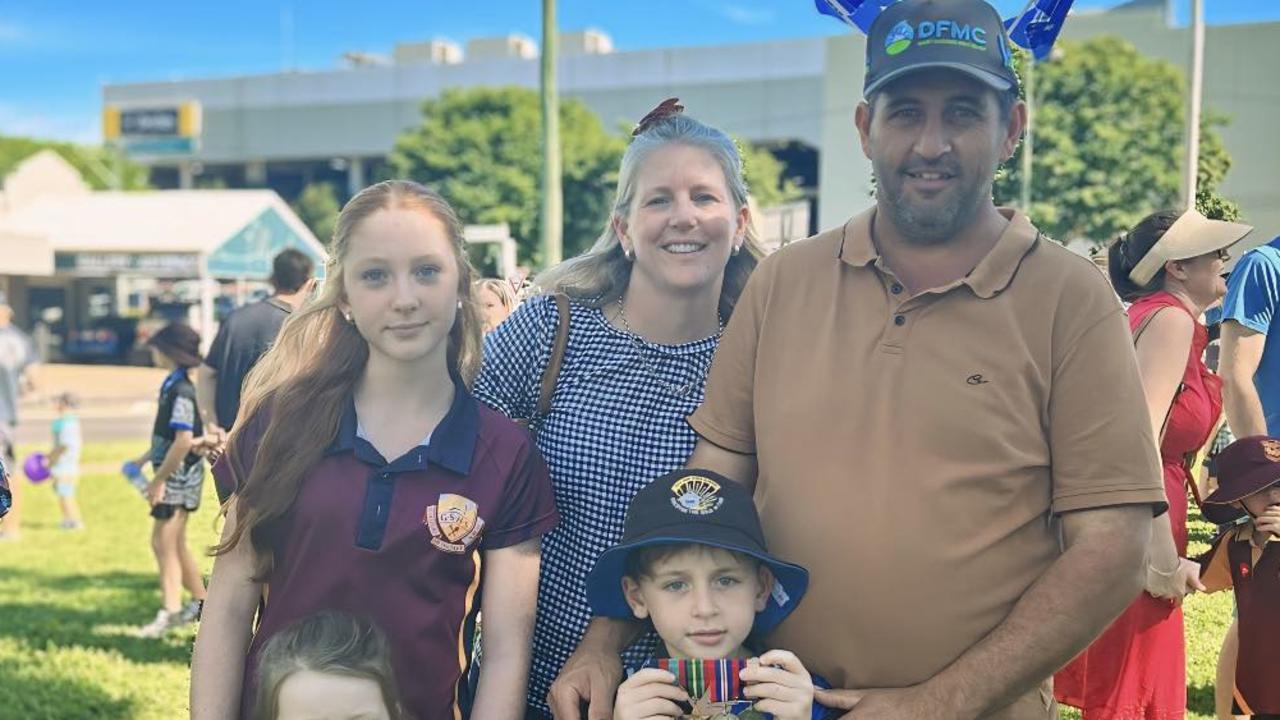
(896, 289)
(900, 320)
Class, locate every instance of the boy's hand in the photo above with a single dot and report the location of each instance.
(780, 685)
(155, 492)
(209, 445)
(1269, 521)
(650, 694)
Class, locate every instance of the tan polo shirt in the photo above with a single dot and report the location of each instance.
(914, 451)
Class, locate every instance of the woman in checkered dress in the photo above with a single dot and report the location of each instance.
(647, 304)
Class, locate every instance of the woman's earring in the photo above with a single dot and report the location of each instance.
(630, 256)
(346, 315)
(459, 304)
(736, 249)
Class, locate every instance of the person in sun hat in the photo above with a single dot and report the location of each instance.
(694, 563)
(1169, 266)
(1246, 557)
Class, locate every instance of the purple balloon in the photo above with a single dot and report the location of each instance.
(36, 466)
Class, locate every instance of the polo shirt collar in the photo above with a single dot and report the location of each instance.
(452, 444)
(277, 302)
(992, 274)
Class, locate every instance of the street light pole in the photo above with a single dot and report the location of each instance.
(552, 193)
(1192, 163)
(1029, 81)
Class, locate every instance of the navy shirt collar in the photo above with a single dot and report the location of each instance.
(453, 442)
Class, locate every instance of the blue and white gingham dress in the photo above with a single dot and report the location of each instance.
(612, 429)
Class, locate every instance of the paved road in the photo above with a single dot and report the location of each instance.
(128, 427)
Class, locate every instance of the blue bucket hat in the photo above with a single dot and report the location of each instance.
(702, 508)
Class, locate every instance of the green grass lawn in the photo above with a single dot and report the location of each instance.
(69, 601)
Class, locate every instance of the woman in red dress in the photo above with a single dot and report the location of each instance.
(1170, 267)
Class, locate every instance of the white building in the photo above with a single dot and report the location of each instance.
(283, 130)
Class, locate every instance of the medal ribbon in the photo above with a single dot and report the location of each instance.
(717, 680)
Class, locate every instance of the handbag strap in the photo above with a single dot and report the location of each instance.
(552, 373)
(1137, 333)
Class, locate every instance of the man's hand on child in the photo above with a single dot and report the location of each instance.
(590, 676)
(780, 685)
(885, 704)
(650, 694)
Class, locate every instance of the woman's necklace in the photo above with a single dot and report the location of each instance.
(652, 368)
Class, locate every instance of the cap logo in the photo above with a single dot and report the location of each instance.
(899, 38)
(1271, 448)
(696, 495)
(950, 32)
(1005, 56)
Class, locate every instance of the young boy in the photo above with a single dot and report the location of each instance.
(1247, 557)
(693, 561)
(64, 460)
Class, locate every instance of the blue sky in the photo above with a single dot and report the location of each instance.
(55, 55)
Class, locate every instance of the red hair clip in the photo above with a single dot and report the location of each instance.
(665, 109)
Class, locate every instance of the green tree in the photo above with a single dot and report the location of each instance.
(96, 164)
(1109, 139)
(764, 173)
(317, 206)
(480, 148)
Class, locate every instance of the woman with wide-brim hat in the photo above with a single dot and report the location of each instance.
(1170, 266)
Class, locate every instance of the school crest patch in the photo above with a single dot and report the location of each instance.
(454, 523)
(1272, 450)
(696, 495)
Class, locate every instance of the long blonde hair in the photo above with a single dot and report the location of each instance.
(600, 275)
(306, 378)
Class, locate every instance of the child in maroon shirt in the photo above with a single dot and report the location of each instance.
(1247, 558)
(368, 480)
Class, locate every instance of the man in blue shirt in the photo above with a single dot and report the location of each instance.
(1250, 364)
(1250, 370)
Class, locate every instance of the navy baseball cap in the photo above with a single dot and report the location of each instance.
(964, 35)
(702, 508)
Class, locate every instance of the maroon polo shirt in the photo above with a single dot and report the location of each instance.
(402, 542)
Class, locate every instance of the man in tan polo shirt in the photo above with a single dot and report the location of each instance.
(939, 411)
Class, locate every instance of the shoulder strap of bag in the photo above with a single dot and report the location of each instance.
(1137, 333)
(552, 372)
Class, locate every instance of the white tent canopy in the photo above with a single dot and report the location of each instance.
(236, 231)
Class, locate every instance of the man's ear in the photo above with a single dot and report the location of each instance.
(1014, 130)
(862, 120)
